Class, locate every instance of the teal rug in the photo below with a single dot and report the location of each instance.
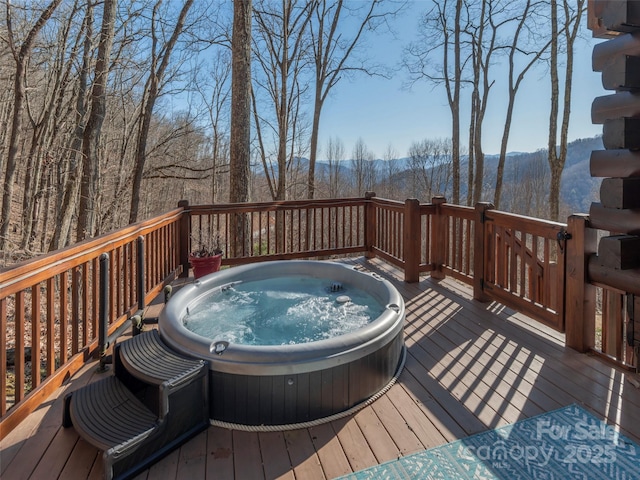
(569, 443)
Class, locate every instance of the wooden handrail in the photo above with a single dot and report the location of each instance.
(21, 275)
(58, 293)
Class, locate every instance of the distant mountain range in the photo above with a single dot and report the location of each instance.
(578, 188)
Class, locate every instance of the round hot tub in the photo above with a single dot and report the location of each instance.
(284, 381)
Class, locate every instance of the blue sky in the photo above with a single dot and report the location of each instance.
(382, 113)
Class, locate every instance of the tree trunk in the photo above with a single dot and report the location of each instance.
(87, 214)
(240, 153)
(69, 196)
(454, 103)
(558, 152)
(315, 128)
(554, 189)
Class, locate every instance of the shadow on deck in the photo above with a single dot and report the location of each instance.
(470, 367)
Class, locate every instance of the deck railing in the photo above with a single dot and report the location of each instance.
(518, 261)
(524, 265)
(50, 305)
(456, 233)
(256, 232)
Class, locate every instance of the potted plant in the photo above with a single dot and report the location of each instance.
(208, 256)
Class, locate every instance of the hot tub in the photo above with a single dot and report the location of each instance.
(291, 383)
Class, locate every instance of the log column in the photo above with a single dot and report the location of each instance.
(617, 263)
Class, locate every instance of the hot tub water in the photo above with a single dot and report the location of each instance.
(281, 311)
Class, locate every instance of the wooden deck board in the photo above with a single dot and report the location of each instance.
(332, 457)
(391, 419)
(192, 459)
(358, 451)
(249, 464)
(304, 459)
(379, 440)
(80, 462)
(219, 453)
(165, 469)
(274, 448)
(470, 366)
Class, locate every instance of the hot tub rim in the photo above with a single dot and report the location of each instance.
(264, 360)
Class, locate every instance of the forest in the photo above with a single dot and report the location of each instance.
(111, 112)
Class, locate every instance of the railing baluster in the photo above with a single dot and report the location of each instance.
(35, 335)
(85, 304)
(19, 347)
(3, 355)
(63, 320)
(75, 311)
(51, 333)
(104, 301)
(141, 269)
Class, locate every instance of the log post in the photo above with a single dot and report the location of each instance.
(438, 238)
(369, 225)
(482, 252)
(580, 295)
(184, 237)
(412, 240)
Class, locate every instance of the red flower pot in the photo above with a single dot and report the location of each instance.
(205, 265)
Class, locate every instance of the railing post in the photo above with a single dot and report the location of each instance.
(185, 236)
(438, 239)
(103, 312)
(580, 295)
(140, 265)
(482, 252)
(369, 225)
(412, 240)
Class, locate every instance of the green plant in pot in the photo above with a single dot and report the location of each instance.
(207, 258)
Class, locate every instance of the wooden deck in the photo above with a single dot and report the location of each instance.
(470, 367)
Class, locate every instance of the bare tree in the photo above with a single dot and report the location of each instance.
(217, 83)
(524, 46)
(481, 51)
(430, 162)
(239, 147)
(440, 33)
(363, 167)
(335, 157)
(70, 178)
(333, 52)
(45, 105)
(527, 185)
(160, 58)
(491, 19)
(21, 55)
(87, 215)
(389, 171)
(281, 48)
(563, 36)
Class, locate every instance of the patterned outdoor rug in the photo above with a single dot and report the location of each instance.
(569, 443)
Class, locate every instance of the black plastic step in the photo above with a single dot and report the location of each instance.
(107, 414)
(155, 401)
(147, 358)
